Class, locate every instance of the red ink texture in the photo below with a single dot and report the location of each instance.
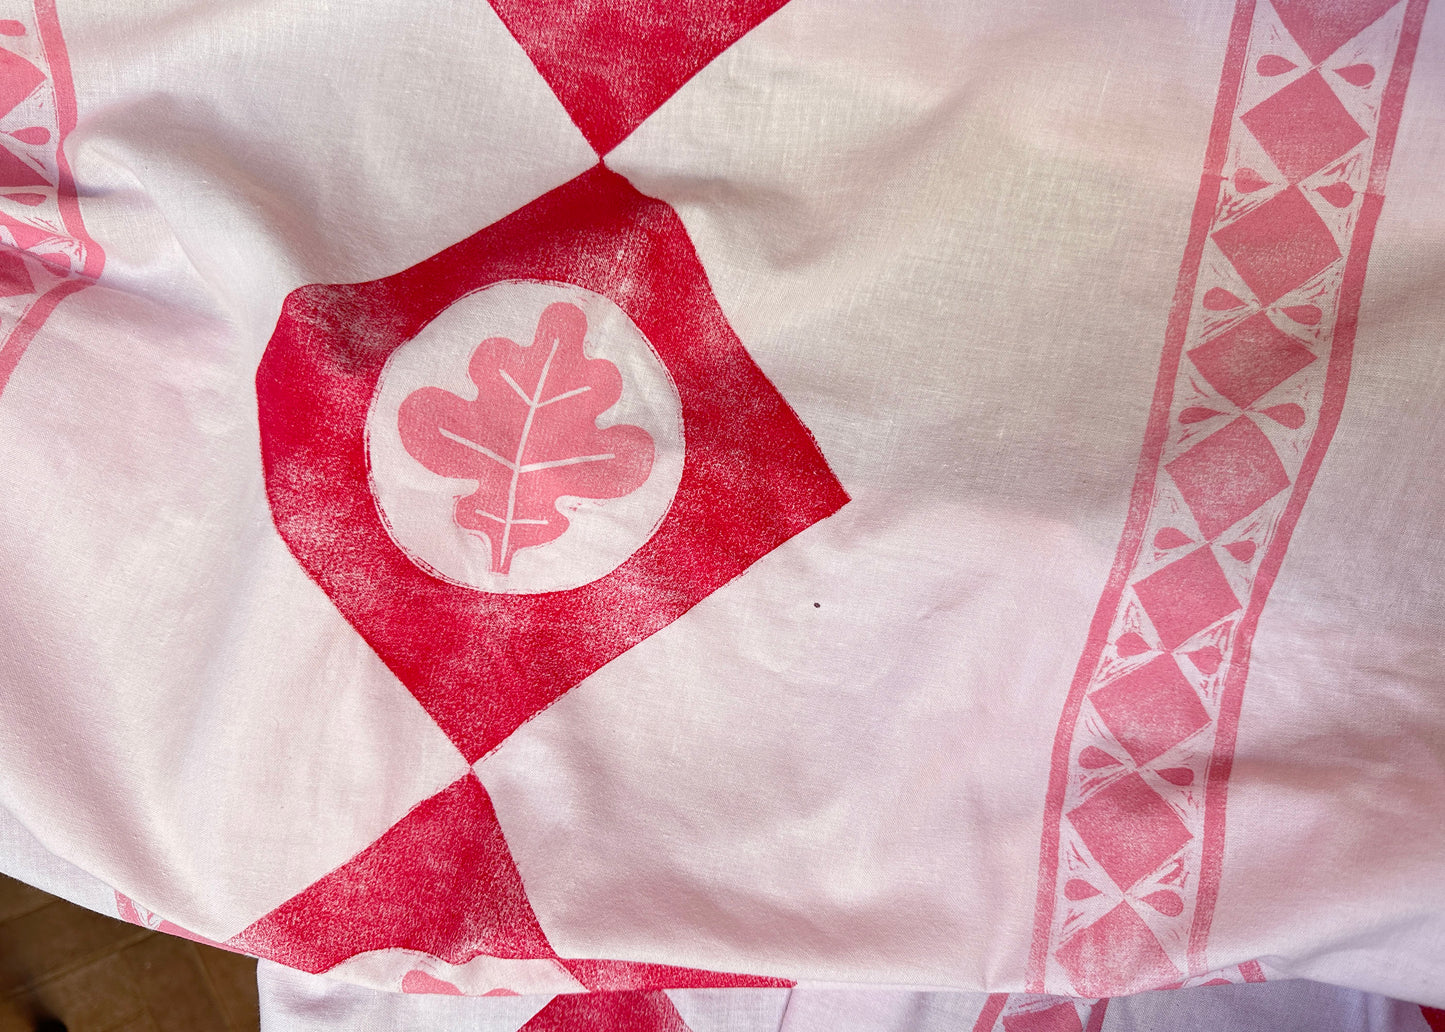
(441, 882)
(482, 664)
(613, 62)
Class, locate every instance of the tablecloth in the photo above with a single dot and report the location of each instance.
(523, 498)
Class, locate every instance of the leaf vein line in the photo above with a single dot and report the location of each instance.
(469, 443)
(513, 384)
(532, 407)
(497, 519)
(533, 467)
(564, 396)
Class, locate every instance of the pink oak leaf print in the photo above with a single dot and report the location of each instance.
(530, 437)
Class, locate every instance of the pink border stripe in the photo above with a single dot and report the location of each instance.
(1337, 379)
(1155, 436)
(34, 318)
(65, 113)
(1141, 499)
(58, 57)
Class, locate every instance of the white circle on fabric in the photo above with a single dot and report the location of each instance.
(418, 505)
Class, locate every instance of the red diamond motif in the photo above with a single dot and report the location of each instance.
(14, 276)
(15, 171)
(1129, 829)
(1228, 475)
(1279, 245)
(1150, 710)
(18, 79)
(1116, 954)
(1321, 27)
(614, 62)
(1251, 359)
(483, 663)
(1186, 596)
(440, 881)
(1303, 127)
(1061, 1017)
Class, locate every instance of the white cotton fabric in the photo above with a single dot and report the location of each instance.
(294, 1002)
(949, 233)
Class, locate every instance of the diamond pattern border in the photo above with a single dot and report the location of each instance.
(1275, 238)
(46, 253)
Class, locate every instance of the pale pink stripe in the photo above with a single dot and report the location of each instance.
(1155, 436)
(58, 57)
(1337, 379)
(12, 349)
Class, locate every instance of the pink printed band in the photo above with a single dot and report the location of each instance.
(45, 252)
(1251, 384)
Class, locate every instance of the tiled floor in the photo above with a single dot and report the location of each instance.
(97, 974)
